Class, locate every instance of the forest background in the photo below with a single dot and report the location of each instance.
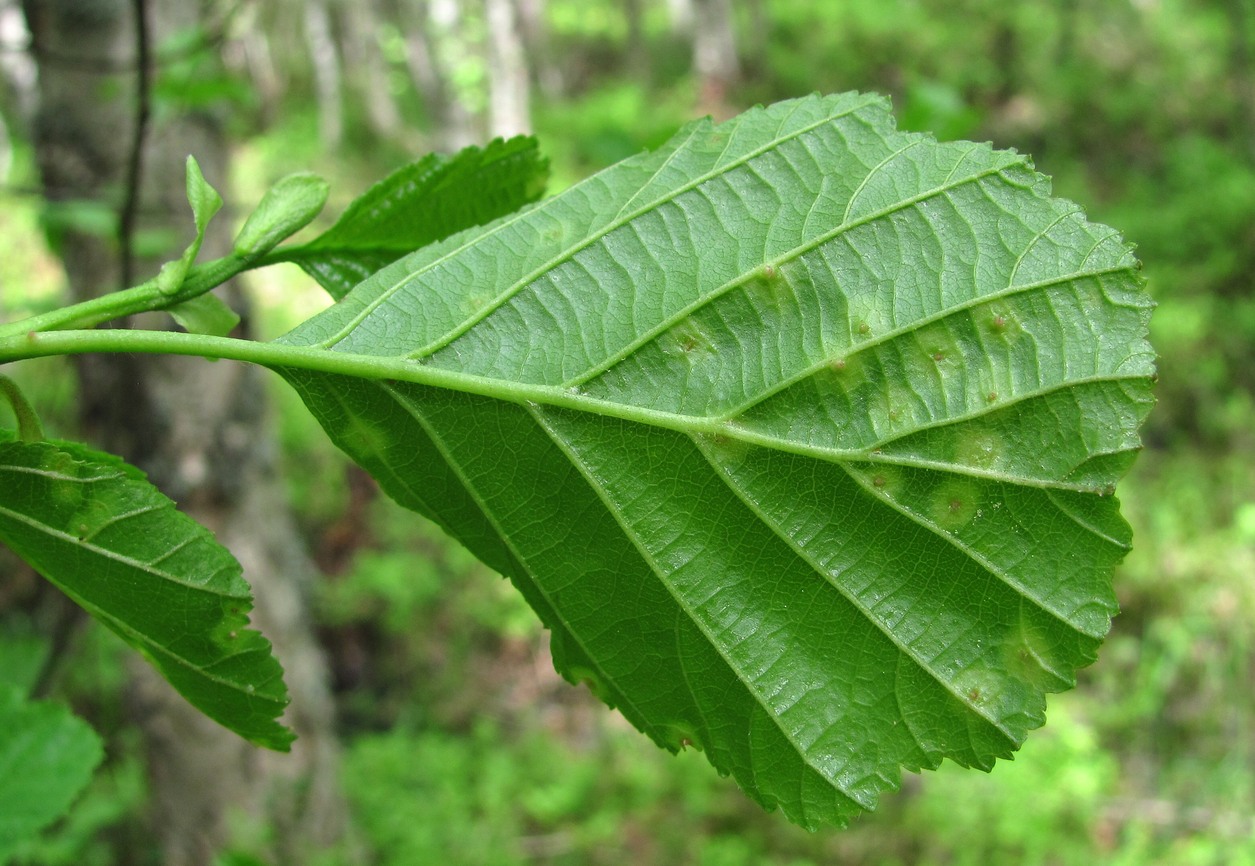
(452, 740)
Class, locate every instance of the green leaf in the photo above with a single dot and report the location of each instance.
(425, 201)
(47, 756)
(798, 433)
(205, 314)
(96, 528)
(286, 208)
(205, 202)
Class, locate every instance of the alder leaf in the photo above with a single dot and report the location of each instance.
(95, 527)
(799, 433)
(425, 201)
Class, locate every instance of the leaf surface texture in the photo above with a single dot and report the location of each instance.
(799, 433)
(96, 528)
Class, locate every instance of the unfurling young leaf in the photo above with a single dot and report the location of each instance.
(285, 209)
(97, 529)
(799, 433)
(205, 202)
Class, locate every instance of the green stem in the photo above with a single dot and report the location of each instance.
(140, 299)
(28, 427)
(376, 367)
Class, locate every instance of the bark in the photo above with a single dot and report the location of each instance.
(199, 430)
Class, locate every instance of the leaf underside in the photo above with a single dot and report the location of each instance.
(96, 528)
(798, 433)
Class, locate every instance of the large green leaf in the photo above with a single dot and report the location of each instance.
(798, 433)
(96, 528)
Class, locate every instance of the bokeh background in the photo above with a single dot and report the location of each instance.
(453, 740)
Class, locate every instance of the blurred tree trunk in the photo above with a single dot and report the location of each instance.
(540, 55)
(683, 15)
(367, 71)
(325, 59)
(451, 48)
(509, 87)
(714, 55)
(198, 429)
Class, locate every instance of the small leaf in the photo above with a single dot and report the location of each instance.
(111, 541)
(205, 314)
(799, 433)
(420, 203)
(47, 757)
(205, 202)
(286, 208)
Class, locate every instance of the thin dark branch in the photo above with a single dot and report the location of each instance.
(135, 165)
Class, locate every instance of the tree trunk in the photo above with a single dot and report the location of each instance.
(714, 56)
(546, 68)
(198, 429)
(367, 71)
(327, 78)
(447, 35)
(509, 89)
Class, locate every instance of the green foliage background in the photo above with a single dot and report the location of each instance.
(461, 746)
